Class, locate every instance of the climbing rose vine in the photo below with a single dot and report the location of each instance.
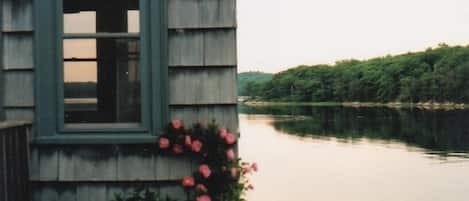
(221, 175)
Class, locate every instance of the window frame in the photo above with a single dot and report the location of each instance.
(50, 125)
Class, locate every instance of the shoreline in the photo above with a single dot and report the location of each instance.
(395, 105)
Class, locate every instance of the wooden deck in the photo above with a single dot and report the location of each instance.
(14, 157)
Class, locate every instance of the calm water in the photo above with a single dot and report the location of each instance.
(348, 154)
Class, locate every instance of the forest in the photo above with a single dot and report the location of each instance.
(438, 74)
(251, 78)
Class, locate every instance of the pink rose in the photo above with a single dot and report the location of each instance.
(196, 146)
(205, 171)
(234, 172)
(230, 138)
(203, 198)
(230, 154)
(254, 167)
(164, 143)
(223, 133)
(177, 149)
(201, 188)
(176, 123)
(188, 182)
(188, 140)
(250, 187)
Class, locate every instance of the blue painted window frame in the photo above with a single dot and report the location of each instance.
(49, 87)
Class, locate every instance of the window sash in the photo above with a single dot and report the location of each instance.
(144, 63)
(48, 34)
(102, 35)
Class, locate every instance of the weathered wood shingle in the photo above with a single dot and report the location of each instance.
(16, 59)
(225, 115)
(19, 89)
(186, 48)
(21, 114)
(197, 14)
(135, 155)
(189, 86)
(17, 15)
(106, 163)
(18, 51)
(202, 48)
(100, 191)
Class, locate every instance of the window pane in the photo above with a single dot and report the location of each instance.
(105, 16)
(82, 48)
(101, 80)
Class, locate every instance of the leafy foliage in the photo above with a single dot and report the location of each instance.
(248, 81)
(436, 75)
(141, 194)
(221, 176)
(227, 174)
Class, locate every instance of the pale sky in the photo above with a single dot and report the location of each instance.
(274, 35)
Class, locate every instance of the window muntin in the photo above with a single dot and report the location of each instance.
(101, 16)
(50, 128)
(101, 63)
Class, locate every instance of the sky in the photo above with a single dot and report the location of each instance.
(274, 35)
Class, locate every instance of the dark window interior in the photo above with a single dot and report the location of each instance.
(101, 54)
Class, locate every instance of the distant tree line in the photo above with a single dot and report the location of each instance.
(251, 78)
(440, 74)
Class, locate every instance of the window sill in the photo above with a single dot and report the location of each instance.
(97, 139)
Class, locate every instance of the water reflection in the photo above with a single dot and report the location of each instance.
(351, 166)
(443, 133)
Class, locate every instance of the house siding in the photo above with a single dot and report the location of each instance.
(17, 60)
(201, 85)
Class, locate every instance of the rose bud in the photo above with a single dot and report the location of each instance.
(223, 132)
(205, 171)
(230, 154)
(254, 167)
(177, 149)
(196, 146)
(230, 138)
(201, 188)
(188, 140)
(176, 123)
(203, 198)
(164, 143)
(188, 182)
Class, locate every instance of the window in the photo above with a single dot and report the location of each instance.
(101, 76)
(101, 69)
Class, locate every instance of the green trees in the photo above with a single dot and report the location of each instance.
(440, 74)
(250, 83)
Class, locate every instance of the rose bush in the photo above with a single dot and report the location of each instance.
(221, 176)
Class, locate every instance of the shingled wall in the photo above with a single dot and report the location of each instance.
(202, 85)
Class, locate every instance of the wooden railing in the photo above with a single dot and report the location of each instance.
(14, 158)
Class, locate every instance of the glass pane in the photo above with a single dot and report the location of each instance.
(101, 80)
(83, 48)
(105, 16)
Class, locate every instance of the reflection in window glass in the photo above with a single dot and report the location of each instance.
(101, 80)
(82, 48)
(102, 16)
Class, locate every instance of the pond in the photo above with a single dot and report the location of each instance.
(356, 154)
